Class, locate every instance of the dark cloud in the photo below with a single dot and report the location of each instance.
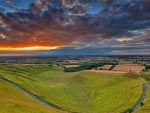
(67, 23)
(95, 51)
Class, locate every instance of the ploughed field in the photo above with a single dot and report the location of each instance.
(80, 92)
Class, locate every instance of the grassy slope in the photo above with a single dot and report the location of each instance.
(146, 107)
(12, 100)
(146, 75)
(80, 92)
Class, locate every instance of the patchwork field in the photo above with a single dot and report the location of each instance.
(81, 92)
(129, 68)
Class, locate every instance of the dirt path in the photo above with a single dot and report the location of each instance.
(142, 98)
(36, 98)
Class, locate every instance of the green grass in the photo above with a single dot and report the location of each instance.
(79, 92)
(146, 75)
(146, 107)
(14, 101)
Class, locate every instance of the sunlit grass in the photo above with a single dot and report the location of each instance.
(146, 75)
(14, 101)
(146, 106)
(79, 92)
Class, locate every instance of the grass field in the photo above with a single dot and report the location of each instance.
(14, 101)
(146, 107)
(146, 75)
(79, 92)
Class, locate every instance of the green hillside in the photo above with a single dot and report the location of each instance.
(79, 92)
(14, 101)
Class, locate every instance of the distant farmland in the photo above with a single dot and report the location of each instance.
(129, 68)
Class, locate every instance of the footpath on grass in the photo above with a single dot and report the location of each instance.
(35, 97)
(44, 102)
(141, 100)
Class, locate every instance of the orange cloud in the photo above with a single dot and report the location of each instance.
(31, 48)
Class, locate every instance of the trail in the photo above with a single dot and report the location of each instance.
(142, 98)
(36, 98)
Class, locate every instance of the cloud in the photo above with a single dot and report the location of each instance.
(132, 52)
(58, 23)
(2, 36)
(124, 39)
(80, 51)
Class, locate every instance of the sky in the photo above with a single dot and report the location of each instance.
(74, 27)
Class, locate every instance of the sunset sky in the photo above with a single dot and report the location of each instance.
(74, 27)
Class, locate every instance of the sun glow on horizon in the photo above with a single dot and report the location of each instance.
(30, 48)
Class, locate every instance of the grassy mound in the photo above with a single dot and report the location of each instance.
(78, 92)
